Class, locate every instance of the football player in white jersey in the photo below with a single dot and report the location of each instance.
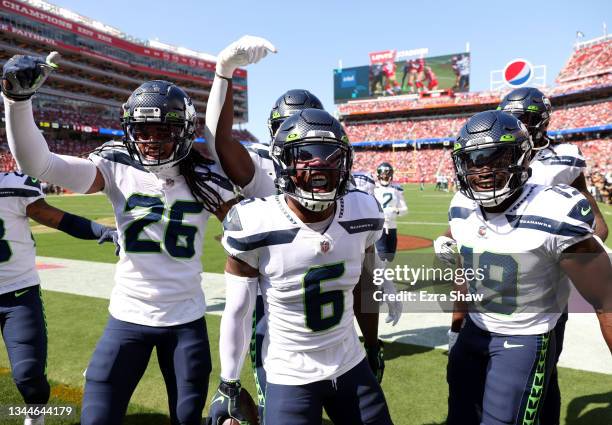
(305, 249)
(255, 171)
(163, 193)
(551, 165)
(364, 181)
(519, 239)
(21, 310)
(391, 197)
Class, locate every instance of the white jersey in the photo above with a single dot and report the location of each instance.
(391, 198)
(518, 253)
(17, 247)
(262, 183)
(307, 280)
(364, 181)
(161, 230)
(558, 164)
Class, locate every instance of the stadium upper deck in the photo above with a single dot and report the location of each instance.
(100, 64)
(587, 76)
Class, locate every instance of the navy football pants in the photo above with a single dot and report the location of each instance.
(498, 379)
(121, 358)
(22, 320)
(551, 409)
(354, 398)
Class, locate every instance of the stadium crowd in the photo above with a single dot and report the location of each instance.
(588, 60)
(562, 118)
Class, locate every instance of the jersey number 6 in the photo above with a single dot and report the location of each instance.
(323, 309)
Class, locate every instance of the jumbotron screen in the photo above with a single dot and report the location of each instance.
(393, 77)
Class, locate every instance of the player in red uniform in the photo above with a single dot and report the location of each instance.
(430, 77)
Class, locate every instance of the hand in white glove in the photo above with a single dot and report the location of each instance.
(446, 250)
(395, 307)
(109, 234)
(248, 49)
(452, 339)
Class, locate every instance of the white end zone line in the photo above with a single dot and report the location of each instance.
(583, 349)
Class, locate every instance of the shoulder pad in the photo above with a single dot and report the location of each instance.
(19, 185)
(116, 152)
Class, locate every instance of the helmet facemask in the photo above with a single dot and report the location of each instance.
(159, 125)
(315, 171)
(489, 173)
(536, 123)
(384, 175)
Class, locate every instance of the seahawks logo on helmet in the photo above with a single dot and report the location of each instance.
(288, 104)
(314, 159)
(491, 157)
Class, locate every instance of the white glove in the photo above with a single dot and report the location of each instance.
(395, 307)
(446, 250)
(248, 49)
(109, 234)
(452, 339)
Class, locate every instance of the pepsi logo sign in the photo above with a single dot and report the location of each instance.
(518, 73)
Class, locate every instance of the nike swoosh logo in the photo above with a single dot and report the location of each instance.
(506, 345)
(585, 212)
(18, 294)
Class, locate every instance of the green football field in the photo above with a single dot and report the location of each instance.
(414, 382)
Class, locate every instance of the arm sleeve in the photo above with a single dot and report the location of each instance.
(214, 105)
(33, 156)
(402, 208)
(235, 332)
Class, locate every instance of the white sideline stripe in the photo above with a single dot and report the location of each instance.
(584, 347)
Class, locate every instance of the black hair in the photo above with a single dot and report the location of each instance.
(197, 181)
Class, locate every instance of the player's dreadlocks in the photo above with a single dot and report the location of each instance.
(198, 180)
(194, 168)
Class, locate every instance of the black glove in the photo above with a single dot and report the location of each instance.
(23, 75)
(225, 404)
(376, 359)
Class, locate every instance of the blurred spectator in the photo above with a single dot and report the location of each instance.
(562, 118)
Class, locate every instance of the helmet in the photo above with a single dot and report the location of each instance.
(314, 159)
(491, 157)
(156, 114)
(288, 104)
(533, 108)
(384, 173)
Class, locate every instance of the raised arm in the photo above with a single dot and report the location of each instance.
(231, 155)
(21, 77)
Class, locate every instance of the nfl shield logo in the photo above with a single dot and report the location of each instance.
(325, 246)
(482, 231)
